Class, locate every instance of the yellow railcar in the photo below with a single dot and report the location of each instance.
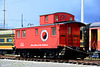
(7, 41)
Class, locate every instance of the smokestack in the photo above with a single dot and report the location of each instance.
(82, 11)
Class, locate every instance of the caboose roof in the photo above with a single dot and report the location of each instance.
(54, 13)
(65, 22)
(68, 22)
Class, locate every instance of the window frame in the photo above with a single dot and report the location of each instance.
(3, 39)
(7, 40)
(22, 33)
(46, 18)
(69, 30)
(36, 31)
(18, 33)
(71, 18)
(56, 17)
(53, 33)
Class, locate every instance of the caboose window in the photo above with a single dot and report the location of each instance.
(56, 17)
(1, 40)
(36, 31)
(53, 30)
(70, 18)
(18, 34)
(46, 17)
(23, 33)
(69, 30)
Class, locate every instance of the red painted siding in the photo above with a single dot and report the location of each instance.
(51, 18)
(34, 41)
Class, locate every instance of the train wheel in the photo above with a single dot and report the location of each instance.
(48, 57)
(41, 56)
(50, 54)
(21, 54)
(31, 55)
(27, 54)
(59, 57)
(82, 58)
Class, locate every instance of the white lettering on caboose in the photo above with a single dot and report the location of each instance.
(21, 44)
(39, 45)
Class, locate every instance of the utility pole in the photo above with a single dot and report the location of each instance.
(82, 11)
(22, 21)
(4, 13)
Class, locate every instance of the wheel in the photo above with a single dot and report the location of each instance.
(82, 58)
(41, 56)
(21, 54)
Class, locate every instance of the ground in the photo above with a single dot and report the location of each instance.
(20, 63)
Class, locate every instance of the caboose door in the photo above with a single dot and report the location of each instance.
(65, 35)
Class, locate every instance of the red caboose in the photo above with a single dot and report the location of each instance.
(56, 32)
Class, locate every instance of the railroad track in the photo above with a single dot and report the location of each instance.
(82, 62)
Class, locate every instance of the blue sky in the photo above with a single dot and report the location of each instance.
(32, 9)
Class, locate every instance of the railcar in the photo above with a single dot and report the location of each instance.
(58, 36)
(94, 39)
(7, 41)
